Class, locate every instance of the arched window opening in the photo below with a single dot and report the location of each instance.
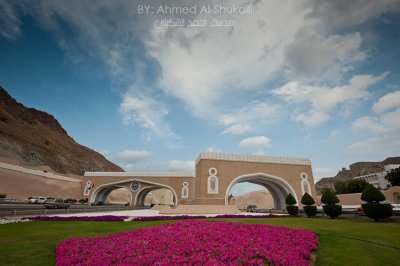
(185, 190)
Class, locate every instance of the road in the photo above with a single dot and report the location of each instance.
(18, 209)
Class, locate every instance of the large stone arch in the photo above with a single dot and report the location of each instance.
(278, 187)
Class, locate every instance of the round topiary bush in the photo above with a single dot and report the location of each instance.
(333, 210)
(377, 211)
(293, 210)
(329, 197)
(307, 200)
(330, 208)
(373, 209)
(372, 194)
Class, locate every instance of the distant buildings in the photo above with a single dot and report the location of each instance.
(372, 172)
(378, 179)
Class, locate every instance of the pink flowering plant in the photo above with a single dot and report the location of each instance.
(192, 242)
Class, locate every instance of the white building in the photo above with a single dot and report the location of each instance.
(378, 179)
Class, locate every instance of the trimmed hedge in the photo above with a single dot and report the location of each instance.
(290, 205)
(377, 211)
(333, 210)
(372, 194)
(310, 210)
(329, 197)
(330, 208)
(373, 209)
(3, 196)
(290, 200)
(307, 199)
(293, 210)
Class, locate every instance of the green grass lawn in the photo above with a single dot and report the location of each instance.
(341, 241)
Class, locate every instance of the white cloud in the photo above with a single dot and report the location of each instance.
(132, 156)
(209, 64)
(181, 166)
(255, 142)
(383, 129)
(348, 13)
(389, 101)
(311, 119)
(367, 122)
(212, 149)
(377, 146)
(335, 132)
(238, 129)
(147, 113)
(323, 99)
(315, 56)
(9, 21)
(321, 172)
(255, 112)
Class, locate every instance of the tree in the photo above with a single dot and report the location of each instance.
(330, 208)
(340, 187)
(374, 209)
(394, 177)
(307, 200)
(290, 205)
(356, 185)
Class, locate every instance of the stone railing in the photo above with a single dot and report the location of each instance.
(37, 172)
(252, 158)
(141, 174)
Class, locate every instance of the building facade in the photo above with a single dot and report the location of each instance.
(212, 179)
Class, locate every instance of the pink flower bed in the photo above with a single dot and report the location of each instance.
(192, 242)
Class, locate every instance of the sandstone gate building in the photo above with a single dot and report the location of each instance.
(210, 184)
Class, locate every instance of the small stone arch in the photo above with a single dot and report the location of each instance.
(278, 187)
(102, 192)
(142, 193)
(137, 196)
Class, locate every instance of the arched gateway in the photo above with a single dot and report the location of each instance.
(215, 174)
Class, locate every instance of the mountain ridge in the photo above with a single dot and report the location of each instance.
(34, 138)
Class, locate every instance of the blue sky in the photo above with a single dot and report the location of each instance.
(316, 79)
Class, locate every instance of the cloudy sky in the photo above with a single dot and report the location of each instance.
(316, 79)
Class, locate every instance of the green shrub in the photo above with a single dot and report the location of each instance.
(329, 197)
(372, 194)
(3, 196)
(307, 199)
(82, 200)
(373, 209)
(333, 210)
(292, 210)
(310, 210)
(290, 200)
(377, 211)
(330, 208)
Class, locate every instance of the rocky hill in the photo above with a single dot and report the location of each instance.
(355, 169)
(34, 138)
(261, 198)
